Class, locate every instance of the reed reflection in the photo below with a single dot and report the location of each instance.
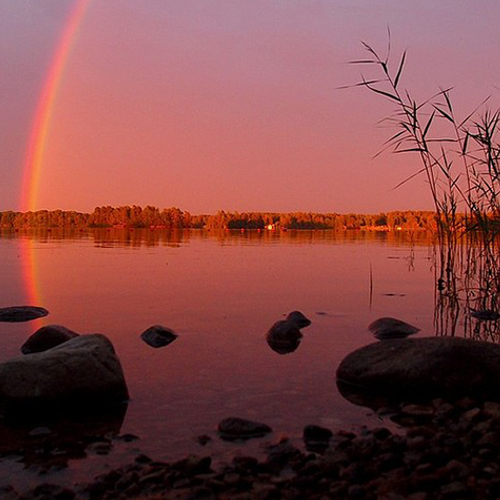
(467, 296)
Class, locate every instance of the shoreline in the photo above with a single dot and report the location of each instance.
(446, 450)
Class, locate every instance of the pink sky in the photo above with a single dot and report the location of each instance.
(229, 104)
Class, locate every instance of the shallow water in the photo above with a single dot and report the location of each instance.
(220, 293)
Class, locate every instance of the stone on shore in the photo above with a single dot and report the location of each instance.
(22, 313)
(47, 337)
(158, 336)
(239, 428)
(416, 369)
(83, 372)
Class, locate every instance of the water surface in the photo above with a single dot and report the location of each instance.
(220, 293)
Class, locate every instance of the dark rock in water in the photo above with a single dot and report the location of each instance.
(391, 328)
(284, 336)
(284, 346)
(298, 319)
(412, 370)
(158, 336)
(484, 314)
(283, 331)
(239, 428)
(47, 337)
(22, 313)
(83, 372)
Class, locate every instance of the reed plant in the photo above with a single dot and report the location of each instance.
(460, 158)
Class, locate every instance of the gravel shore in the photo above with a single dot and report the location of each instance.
(443, 451)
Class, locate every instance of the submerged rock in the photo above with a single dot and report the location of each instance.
(22, 313)
(47, 337)
(391, 328)
(158, 336)
(239, 428)
(415, 369)
(83, 372)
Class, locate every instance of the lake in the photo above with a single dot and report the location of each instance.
(220, 292)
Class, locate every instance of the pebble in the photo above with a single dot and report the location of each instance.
(443, 457)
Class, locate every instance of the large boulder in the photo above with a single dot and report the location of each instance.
(47, 337)
(83, 372)
(421, 368)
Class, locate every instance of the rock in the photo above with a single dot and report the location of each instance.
(40, 431)
(298, 319)
(22, 313)
(238, 428)
(284, 336)
(47, 337)
(316, 438)
(411, 369)
(158, 336)
(317, 433)
(83, 372)
(391, 328)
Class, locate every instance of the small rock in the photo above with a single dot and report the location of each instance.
(47, 337)
(204, 439)
(127, 438)
(298, 319)
(391, 328)
(53, 491)
(418, 410)
(492, 409)
(194, 465)
(40, 431)
(99, 448)
(143, 459)
(22, 313)
(317, 433)
(239, 428)
(158, 336)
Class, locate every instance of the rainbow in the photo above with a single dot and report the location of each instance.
(38, 139)
(41, 122)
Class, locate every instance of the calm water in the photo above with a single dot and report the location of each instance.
(220, 293)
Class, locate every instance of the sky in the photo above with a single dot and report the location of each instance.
(227, 104)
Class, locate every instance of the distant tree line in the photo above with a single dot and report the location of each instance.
(174, 218)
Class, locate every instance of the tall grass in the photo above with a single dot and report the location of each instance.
(460, 159)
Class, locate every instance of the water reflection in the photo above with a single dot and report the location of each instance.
(467, 293)
(45, 444)
(123, 237)
(284, 346)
